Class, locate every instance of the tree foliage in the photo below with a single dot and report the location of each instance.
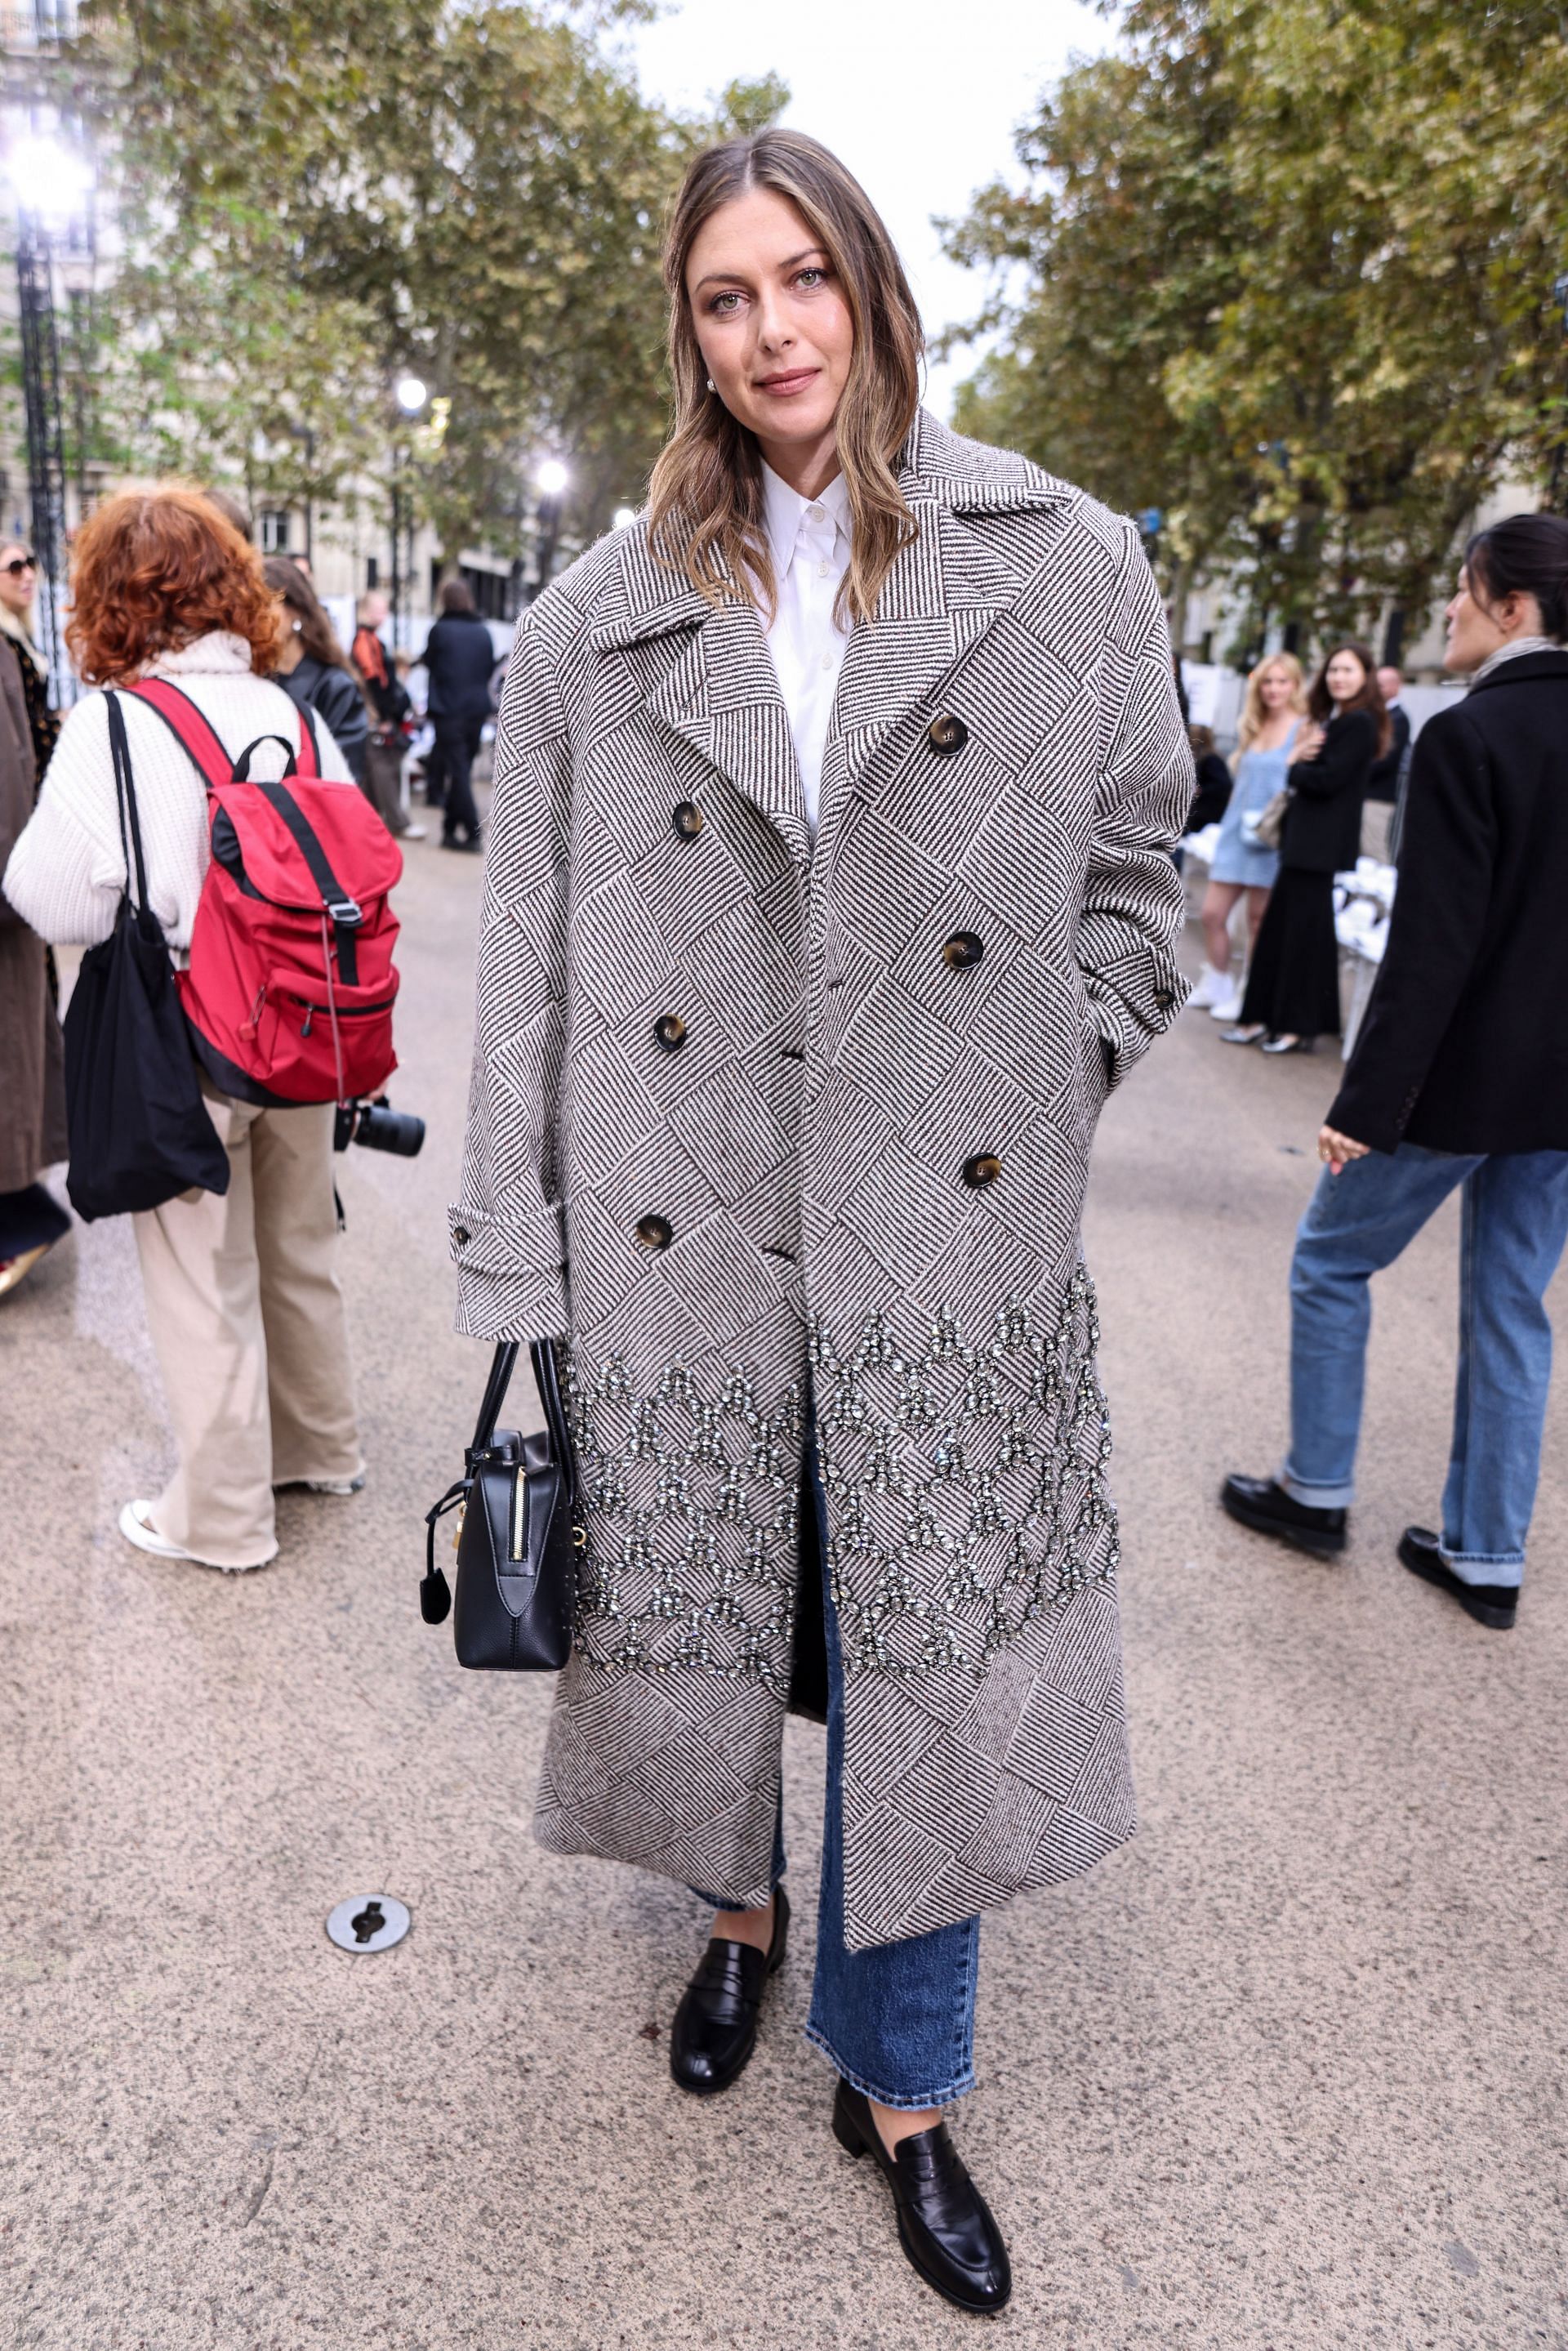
(1284, 269)
(318, 195)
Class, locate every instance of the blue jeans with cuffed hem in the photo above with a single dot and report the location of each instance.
(1514, 1226)
(897, 2021)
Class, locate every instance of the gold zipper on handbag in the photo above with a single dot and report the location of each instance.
(519, 1514)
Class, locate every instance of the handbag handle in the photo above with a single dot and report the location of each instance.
(435, 1594)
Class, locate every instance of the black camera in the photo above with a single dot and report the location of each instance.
(377, 1126)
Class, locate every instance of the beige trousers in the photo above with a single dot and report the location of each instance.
(247, 1314)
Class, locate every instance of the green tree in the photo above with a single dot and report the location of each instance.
(317, 197)
(1287, 270)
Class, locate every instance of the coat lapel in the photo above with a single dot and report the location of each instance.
(714, 684)
(944, 591)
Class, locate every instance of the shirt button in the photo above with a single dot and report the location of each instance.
(813, 514)
(686, 819)
(962, 950)
(827, 661)
(654, 1233)
(946, 734)
(981, 1170)
(823, 569)
(671, 1032)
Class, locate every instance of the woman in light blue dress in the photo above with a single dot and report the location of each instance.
(1271, 714)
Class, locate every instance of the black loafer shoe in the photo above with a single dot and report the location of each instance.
(945, 2224)
(1495, 1604)
(1264, 1504)
(715, 2027)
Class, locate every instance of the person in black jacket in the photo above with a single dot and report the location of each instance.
(1460, 1076)
(1383, 784)
(461, 662)
(1293, 989)
(311, 667)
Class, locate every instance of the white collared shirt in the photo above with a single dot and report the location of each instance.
(808, 539)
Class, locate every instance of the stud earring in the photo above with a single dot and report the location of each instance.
(709, 384)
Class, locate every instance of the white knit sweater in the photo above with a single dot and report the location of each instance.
(68, 869)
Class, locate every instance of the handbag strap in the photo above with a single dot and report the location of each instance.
(125, 801)
(501, 1369)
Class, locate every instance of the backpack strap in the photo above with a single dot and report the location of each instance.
(309, 764)
(190, 726)
(195, 732)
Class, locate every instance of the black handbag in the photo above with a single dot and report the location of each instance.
(139, 1131)
(519, 1536)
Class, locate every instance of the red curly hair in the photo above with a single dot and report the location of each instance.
(153, 568)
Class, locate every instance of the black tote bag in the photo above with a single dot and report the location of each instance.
(139, 1131)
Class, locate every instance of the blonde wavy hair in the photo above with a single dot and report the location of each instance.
(1251, 717)
(705, 515)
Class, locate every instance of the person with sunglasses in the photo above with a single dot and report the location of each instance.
(18, 587)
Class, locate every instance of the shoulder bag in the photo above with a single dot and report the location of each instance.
(139, 1131)
(518, 1538)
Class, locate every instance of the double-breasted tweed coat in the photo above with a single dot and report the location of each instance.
(770, 1130)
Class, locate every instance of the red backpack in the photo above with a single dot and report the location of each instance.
(291, 983)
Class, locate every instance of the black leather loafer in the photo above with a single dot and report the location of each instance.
(945, 2224)
(1264, 1504)
(715, 2027)
(1494, 1604)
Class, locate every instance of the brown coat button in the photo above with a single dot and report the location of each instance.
(461, 1236)
(671, 1032)
(1164, 999)
(686, 819)
(962, 950)
(981, 1170)
(654, 1233)
(948, 734)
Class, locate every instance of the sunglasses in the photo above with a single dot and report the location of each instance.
(17, 565)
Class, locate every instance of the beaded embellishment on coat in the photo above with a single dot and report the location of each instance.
(966, 1495)
(692, 1503)
(966, 1484)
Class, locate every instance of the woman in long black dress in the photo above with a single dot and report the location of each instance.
(1293, 991)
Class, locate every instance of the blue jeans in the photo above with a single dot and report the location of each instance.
(898, 2021)
(1515, 1225)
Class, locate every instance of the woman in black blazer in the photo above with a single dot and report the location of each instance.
(1293, 989)
(311, 667)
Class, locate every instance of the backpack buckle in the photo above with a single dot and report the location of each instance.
(344, 912)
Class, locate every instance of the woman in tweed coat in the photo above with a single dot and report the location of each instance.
(796, 1009)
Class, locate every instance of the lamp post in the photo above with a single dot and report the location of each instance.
(552, 481)
(53, 185)
(411, 394)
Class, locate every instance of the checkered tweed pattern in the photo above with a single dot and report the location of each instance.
(748, 1136)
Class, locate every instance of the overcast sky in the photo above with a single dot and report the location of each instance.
(921, 101)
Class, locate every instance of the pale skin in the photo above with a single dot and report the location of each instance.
(1478, 627)
(1276, 691)
(777, 337)
(18, 588)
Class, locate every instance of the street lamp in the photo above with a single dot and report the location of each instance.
(552, 480)
(411, 394)
(52, 182)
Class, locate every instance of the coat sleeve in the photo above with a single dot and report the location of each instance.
(1446, 863)
(508, 1224)
(1132, 910)
(1343, 758)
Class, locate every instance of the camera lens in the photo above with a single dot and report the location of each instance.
(398, 1131)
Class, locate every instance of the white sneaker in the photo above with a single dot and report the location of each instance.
(1229, 1010)
(1213, 987)
(136, 1525)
